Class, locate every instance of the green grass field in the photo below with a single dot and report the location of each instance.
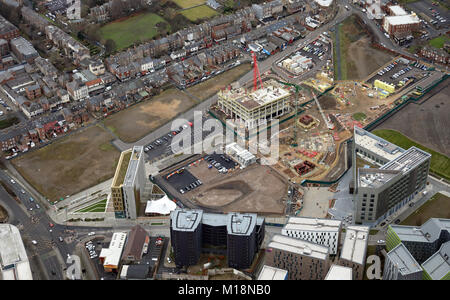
(135, 29)
(96, 207)
(438, 42)
(359, 116)
(437, 207)
(199, 12)
(440, 164)
(188, 3)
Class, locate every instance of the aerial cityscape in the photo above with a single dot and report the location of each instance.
(221, 140)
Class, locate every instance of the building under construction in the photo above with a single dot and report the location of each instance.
(269, 102)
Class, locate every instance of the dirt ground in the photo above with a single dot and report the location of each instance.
(135, 122)
(3, 215)
(364, 59)
(71, 164)
(427, 123)
(211, 86)
(254, 189)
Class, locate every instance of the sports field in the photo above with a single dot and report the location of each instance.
(128, 31)
(440, 164)
(199, 12)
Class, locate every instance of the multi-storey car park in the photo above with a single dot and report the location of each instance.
(401, 174)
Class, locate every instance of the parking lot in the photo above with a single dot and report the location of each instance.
(162, 146)
(183, 181)
(439, 17)
(398, 73)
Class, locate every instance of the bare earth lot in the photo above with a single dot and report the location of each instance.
(365, 59)
(135, 122)
(428, 123)
(71, 164)
(208, 88)
(254, 189)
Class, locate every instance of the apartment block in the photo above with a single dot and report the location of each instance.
(238, 236)
(354, 249)
(320, 231)
(303, 260)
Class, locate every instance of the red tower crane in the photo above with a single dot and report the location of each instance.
(256, 73)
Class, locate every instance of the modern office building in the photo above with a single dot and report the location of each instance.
(337, 272)
(320, 231)
(428, 244)
(303, 260)
(271, 273)
(129, 183)
(401, 265)
(14, 264)
(396, 177)
(238, 236)
(354, 249)
(270, 102)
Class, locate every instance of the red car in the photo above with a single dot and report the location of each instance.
(51, 225)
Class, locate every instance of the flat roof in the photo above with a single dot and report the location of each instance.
(136, 156)
(312, 224)
(374, 178)
(236, 223)
(298, 246)
(402, 20)
(438, 266)
(403, 260)
(397, 10)
(337, 272)
(407, 160)
(355, 244)
(241, 224)
(113, 254)
(272, 273)
(376, 144)
(428, 232)
(271, 92)
(186, 220)
(13, 256)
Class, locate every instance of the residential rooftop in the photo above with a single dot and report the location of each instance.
(438, 265)
(403, 260)
(312, 224)
(355, 244)
(272, 273)
(337, 272)
(297, 246)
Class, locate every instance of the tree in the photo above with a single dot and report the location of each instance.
(110, 46)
